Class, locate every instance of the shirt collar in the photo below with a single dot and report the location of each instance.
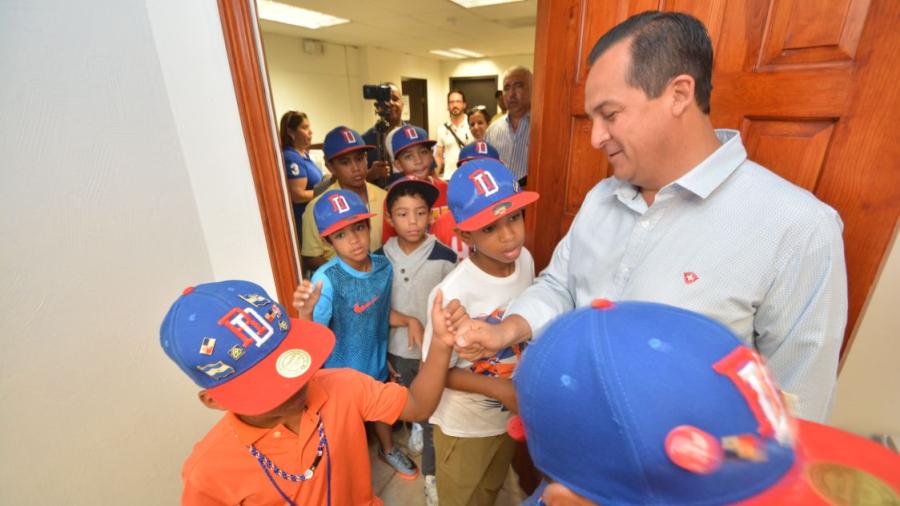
(703, 179)
(524, 120)
(315, 397)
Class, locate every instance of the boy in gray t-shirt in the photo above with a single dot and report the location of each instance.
(420, 262)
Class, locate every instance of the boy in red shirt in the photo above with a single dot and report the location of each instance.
(292, 432)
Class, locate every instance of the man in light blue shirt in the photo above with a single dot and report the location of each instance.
(688, 220)
(511, 134)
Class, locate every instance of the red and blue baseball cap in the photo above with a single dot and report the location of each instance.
(235, 341)
(482, 191)
(642, 403)
(337, 209)
(408, 136)
(475, 150)
(342, 140)
(428, 190)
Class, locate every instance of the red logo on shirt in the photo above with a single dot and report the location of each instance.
(359, 308)
(690, 278)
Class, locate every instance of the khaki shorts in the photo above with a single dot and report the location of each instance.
(471, 471)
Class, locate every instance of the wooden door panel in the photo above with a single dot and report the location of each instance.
(795, 150)
(593, 162)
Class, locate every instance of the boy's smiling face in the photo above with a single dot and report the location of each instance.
(415, 161)
(499, 244)
(351, 244)
(410, 216)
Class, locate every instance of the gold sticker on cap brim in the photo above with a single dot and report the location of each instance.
(293, 363)
(501, 208)
(841, 485)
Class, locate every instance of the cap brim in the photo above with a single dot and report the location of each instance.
(343, 223)
(263, 388)
(825, 467)
(429, 190)
(350, 150)
(429, 142)
(497, 210)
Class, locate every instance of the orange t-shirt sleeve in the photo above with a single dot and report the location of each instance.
(193, 496)
(381, 402)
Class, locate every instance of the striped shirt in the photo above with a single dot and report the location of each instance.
(730, 240)
(512, 144)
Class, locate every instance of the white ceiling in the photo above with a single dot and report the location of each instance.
(418, 26)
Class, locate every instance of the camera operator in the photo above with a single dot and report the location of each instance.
(379, 167)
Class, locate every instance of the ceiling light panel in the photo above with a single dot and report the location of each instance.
(446, 54)
(291, 15)
(466, 52)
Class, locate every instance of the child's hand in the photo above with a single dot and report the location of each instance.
(305, 298)
(440, 332)
(415, 332)
(393, 375)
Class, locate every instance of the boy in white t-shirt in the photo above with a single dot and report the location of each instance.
(472, 449)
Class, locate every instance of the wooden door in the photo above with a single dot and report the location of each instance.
(812, 85)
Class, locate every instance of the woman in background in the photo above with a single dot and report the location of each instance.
(479, 119)
(302, 173)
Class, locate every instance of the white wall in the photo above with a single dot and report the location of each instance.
(125, 180)
(868, 391)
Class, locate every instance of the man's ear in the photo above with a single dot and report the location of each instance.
(209, 402)
(681, 90)
(557, 494)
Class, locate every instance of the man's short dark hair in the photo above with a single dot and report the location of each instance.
(663, 45)
(463, 95)
(404, 191)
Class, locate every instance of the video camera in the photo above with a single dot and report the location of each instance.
(381, 94)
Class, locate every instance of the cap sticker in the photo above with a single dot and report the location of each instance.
(501, 208)
(293, 363)
(236, 352)
(745, 447)
(283, 325)
(693, 449)
(256, 300)
(207, 346)
(844, 486)
(217, 370)
(273, 313)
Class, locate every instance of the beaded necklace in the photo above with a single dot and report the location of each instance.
(267, 465)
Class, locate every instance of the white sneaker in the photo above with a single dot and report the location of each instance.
(431, 497)
(416, 442)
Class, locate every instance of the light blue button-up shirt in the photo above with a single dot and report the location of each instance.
(730, 240)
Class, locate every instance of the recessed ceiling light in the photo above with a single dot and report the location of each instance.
(468, 4)
(447, 54)
(283, 13)
(466, 52)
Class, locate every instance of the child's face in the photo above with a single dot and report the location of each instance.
(415, 161)
(500, 241)
(410, 217)
(351, 243)
(350, 169)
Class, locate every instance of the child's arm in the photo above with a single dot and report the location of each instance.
(414, 329)
(489, 386)
(425, 391)
(312, 300)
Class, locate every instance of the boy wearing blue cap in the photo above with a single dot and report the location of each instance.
(345, 157)
(354, 301)
(293, 433)
(706, 426)
(472, 450)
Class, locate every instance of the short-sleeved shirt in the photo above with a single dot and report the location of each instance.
(437, 210)
(314, 245)
(356, 306)
(299, 166)
(415, 275)
(220, 469)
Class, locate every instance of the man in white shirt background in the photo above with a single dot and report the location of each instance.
(452, 135)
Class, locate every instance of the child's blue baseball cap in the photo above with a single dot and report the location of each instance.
(482, 191)
(336, 209)
(642, 403)
(477, 149)
(342, 140)
(408, 136)
(235, 341)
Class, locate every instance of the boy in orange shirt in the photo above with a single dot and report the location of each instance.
(292, 432)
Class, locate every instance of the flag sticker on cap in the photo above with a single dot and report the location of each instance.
(248, 326)
(484, 182)
(207, 345)
(411, 133)
(339, 203)
(693, 449)
(745, 447)
(273, 313)
(217, 370)
(348, 136)
(256, 300)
